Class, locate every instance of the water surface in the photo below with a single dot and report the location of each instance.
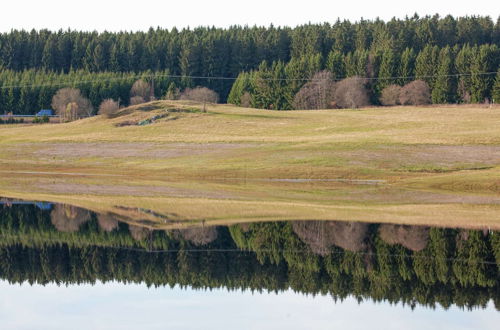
(60, 263)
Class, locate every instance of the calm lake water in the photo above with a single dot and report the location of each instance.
(61, 265)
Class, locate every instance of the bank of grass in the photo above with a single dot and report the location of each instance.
(427, 153)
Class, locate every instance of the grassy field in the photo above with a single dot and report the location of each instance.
(429, 165)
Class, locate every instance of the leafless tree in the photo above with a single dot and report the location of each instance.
(107, 222)
(70, 104)
(198, 236)
(317, 93)
(200, 94)
(246, 100)
(351, 93)
(390, 95)
(136, 100)
(109, 107)
(415, 93)
(138, 233)
(68, 218)
(142, 89)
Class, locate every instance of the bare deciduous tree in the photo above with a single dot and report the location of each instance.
(351, 93)
(70, 104)
(246, 100)
(140, 89)
(316, 94)
(200, 94)
(67, 218)
(109, 107)
(415, 93)
(390, 95)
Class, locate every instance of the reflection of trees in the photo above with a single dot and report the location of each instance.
(197, 236)
(414, 238)
(139, 233)
(320, 236)
(460, 267)
(107, 222)
(68, 218)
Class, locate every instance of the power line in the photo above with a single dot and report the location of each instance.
(152, 76)
(305, 251)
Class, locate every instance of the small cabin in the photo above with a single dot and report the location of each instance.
(45, 112)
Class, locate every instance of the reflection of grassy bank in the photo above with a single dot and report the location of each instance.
(439, 165)
(230, 202)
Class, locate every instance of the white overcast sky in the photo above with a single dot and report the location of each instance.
(116, 15)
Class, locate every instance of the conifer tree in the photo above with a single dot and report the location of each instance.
(496, 89)
(445, 82)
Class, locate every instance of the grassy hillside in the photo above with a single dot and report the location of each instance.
(382, 163)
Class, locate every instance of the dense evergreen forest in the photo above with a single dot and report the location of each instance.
(400, 264)
(457, 57)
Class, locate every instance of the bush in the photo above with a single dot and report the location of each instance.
(246, 100)
(316, 94)
(70, 104)
(390, 95)
(135, 100)
(109, 107)
(415, 93)
(142, 89)
(38, 120)
(200, 94)
(351, 93)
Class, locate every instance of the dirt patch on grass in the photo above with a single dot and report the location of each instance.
(421, 156)
(123, 150)
(139, 191)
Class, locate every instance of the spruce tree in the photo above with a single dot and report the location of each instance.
(483, 63)
(495, 95)
(335, 64)
(406, 66)
(386, 71)
(445, 83)
(425, 65)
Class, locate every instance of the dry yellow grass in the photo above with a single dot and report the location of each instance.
(437, 165)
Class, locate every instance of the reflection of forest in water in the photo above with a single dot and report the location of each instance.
(408, 264)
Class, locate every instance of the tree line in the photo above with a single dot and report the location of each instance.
(277, 60)
(458, 74)
(407, 264)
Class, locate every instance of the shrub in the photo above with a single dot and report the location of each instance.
(246, 100)
(316, 94)
(415, 93)
(390, 95)
(142, 89)
(109, 107)
(200, 94)
(351, 93)
(135, 100)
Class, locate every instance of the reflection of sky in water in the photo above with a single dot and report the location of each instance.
(118, 306)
